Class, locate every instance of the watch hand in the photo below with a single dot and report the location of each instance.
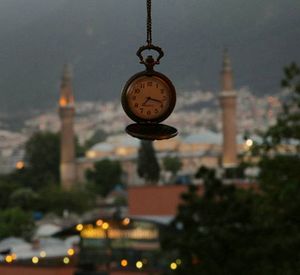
(145, 103)
(154, 99)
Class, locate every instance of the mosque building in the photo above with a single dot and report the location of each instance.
(127, 241)
(205, 148)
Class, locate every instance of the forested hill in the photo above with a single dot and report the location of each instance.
(100, 38)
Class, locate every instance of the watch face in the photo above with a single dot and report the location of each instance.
(149, 98)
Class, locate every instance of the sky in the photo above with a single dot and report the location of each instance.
(99, 39)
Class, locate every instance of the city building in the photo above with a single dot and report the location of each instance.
(194, 151)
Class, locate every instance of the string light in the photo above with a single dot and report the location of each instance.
(139, 264)
(126, 221)
(124, 263)
(43, 254)
(173, 266)
(20, 165)
(178, 261)
(99, 222)
(9, 259)
(66, 260)
(79, 227)
(71, 252)
(105, 225)
(249, 142)
(35, 260)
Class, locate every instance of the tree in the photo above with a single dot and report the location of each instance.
(234, 231)
(201, 172)
(25, 198)
(42, 154)
(98, 136)
(213, 233)
(54, 199)
(79, 149)
(42, 159)
(15, 222)
(279, 165)
(287, 127)
(7, 187)
(279, 181)
(148, 167)
(105, 176)
(172, 164)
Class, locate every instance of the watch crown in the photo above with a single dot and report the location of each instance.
(150, 62)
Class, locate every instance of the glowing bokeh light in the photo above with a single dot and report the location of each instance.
(178, 261)
(66, 260)
(43, 254)
(126, 221)
(99, 222)
(71, 252)
(79, 227)
(20, 165)
(124, 263)
(35, 260)
(9, 259)
(105, 225)
(173, 266)
(249, 142)
(139, 264)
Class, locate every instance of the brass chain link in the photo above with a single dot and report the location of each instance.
(149, 23)
(149, 62)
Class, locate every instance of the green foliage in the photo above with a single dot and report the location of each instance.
(148, 167)
(105, 176)
(228, 173)
(287, 127)
(41, 174)
(172, 164)
(51, 198)
(25, 198)
(42, 154)
(120, 201)
(42, 158)
(280, 174)
(79, 149)
(234, 231)
(279, 181)
(99, 136)
(6, 189)
(203, 172)
(55, 199)
(15, 222)
(214, 232)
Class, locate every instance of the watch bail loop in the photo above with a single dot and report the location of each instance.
(150, 62)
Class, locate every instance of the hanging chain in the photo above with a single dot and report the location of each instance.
(149, 23)
(149, 62)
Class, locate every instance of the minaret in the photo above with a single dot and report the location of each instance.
(228, 105)
(67, 143)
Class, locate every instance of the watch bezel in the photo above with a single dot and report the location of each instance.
(133, 116)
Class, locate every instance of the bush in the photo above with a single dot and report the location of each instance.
(24, 198)
(54, 199)
(16, 222)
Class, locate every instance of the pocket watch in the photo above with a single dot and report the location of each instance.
(148, 98)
